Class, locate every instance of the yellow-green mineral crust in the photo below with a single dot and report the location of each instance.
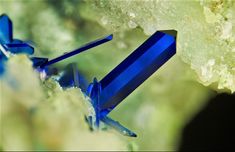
(40, 115)
(206, 33)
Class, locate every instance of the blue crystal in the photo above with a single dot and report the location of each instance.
(116, 125)
(38, 61)
(93, 91)
(136, 68)
(5, 29)
(115, 86)
(72, 78)
(16, 41)
(130, 74)
(43, 62)
(20, 48)
(81, 49)
(14, 46)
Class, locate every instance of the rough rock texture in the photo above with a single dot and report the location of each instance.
(206, 33)
(36, 116)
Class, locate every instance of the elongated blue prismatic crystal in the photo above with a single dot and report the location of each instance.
(129, 74)
(136, 68)
(9, 46)
(79, 50)
(43, 62)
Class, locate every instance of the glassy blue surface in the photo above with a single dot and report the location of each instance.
(135, 69)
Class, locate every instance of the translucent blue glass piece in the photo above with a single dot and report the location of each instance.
(72, 78)
(5, 29)
(20, 48)
(117, 126)
(37, 61)
(136, 68)
(79, 50)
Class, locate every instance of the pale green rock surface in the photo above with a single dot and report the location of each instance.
(36, 116)
(206, 33)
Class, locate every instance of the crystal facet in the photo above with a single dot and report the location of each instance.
(93, 91)
(136, 68)
(11, 45)
(129, 74)
(72, 78)
(37, 61)
(5, 29)
(20, 48)
(116, 125)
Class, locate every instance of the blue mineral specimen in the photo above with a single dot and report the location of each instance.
(136, 68)
(71, 77)
(130, 74)
(13, 46)
(106, 94)
(8, 45)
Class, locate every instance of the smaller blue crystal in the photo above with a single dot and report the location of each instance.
(37, 61)
(71, 77)
(79, 50)
(5, 29)
(20, 48)
(117, 126)
(93, 91)
(8, 44)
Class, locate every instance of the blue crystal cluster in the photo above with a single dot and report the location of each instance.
(107, 93)
(8, 45)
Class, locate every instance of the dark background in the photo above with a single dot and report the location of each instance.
(213, 128)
